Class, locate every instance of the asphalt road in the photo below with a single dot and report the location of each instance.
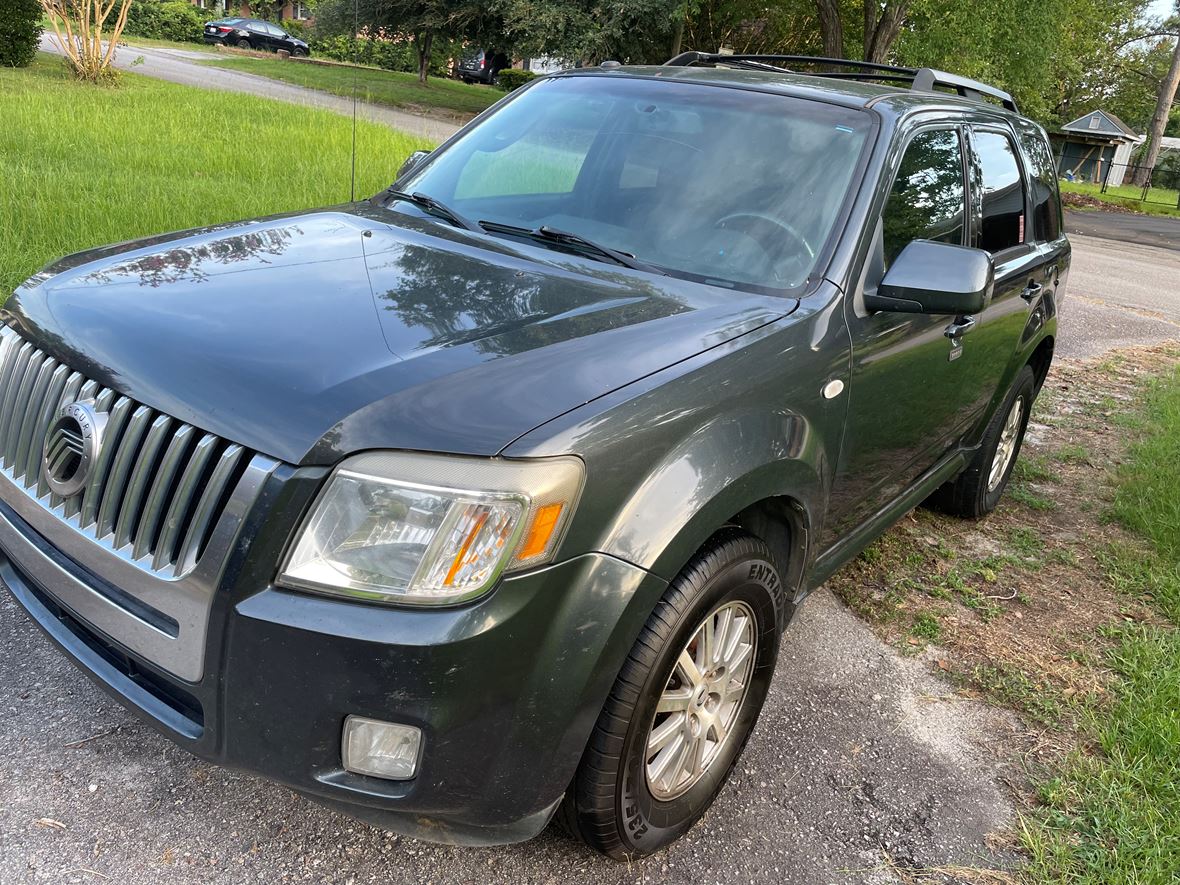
(860, 760)
(183, 66)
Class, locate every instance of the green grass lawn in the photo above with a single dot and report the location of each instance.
(391, 88)
(1128, 197)
(1113, 815)
(83, 166)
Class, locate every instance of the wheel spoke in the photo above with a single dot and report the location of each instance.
(674, 700)
(707, 648)
(738, 656)
(663, 734)
(664, 761)
(694, 759)
(718, 731)
(724, 628)
(689, 667)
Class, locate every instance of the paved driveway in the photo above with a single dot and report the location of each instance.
(860, 754)
(183, 66)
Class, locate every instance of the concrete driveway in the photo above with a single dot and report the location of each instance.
(861, 760)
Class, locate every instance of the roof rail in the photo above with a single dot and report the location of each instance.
(921, 79)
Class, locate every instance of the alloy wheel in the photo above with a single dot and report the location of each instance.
(698, 707)
(1006, 447)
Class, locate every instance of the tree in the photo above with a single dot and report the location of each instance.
(78, 31)
(882, 23)
(1163, 108)
(420, 21)
(20, 29)
(638, 31)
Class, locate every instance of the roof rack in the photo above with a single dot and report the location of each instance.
(921, 79)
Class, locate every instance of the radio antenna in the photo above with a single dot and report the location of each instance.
(355, 39)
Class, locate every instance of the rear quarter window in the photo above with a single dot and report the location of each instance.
(1046, 200)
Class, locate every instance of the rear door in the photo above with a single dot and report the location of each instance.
(1000, 226)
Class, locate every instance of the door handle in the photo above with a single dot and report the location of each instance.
(1032, 291)
(959, 328)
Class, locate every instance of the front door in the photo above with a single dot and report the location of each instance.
(907, 376)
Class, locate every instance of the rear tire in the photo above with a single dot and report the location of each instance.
(632, 793)
(244, 44)
(978, 489)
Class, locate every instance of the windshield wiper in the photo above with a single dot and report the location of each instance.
(435, 207)
(547, 234)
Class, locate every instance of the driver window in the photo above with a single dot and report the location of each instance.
(928, 200)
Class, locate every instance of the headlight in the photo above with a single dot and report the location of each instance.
(431, 529)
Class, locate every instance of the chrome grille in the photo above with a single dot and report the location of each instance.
(158, 485)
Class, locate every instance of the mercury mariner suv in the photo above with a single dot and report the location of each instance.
(486, 501)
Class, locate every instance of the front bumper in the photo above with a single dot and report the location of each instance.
(506, 690)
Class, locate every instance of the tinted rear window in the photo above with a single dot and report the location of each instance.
(1045, 198)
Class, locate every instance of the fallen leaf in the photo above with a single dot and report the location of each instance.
(49, 823)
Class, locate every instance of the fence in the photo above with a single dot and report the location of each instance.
(1143, 183)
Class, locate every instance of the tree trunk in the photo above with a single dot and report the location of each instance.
(422, 43)
(882, 32)
(1159, 120)
(678, 35)
(831, 27)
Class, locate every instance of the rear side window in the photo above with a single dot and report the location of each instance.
(1003, 193)
(1046, 202)
(928, 197)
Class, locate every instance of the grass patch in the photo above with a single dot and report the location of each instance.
(1127, 199)
(83, 166)
(1022, 494)
(1112, 814)
(393, 89)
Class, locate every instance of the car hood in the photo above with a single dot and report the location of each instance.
(309, 336)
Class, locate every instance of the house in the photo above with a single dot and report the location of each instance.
(1096, 147)
(297, 10)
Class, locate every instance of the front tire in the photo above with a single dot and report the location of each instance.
(978, 489)
(684, 704)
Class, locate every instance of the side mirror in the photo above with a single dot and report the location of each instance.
(938, 278)
(411, 163)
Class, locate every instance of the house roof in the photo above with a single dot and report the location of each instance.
(1101, 122)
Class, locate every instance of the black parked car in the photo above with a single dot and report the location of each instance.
(250, 33)
(487, 500)
(482, 66)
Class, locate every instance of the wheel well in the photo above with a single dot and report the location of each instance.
(779, 522)
(1040, 361)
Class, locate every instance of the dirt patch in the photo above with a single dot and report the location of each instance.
(1084, 202)
(1016, 608)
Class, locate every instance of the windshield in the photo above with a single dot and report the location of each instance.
(728, 186)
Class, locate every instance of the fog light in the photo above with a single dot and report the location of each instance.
(381, 749)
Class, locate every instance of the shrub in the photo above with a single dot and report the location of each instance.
(20, 29)
(382, 52)
(513, 78)
(295, 27)
(170, 20)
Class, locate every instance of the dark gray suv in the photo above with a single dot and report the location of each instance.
(487, 500)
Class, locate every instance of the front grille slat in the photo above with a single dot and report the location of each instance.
(10, 411)
(92, 494)
(41, 421)
(116, 484)
(207, 507)
(131, 508)
(153, 509)
(186, 490)
(157, 487)
(23, 415)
